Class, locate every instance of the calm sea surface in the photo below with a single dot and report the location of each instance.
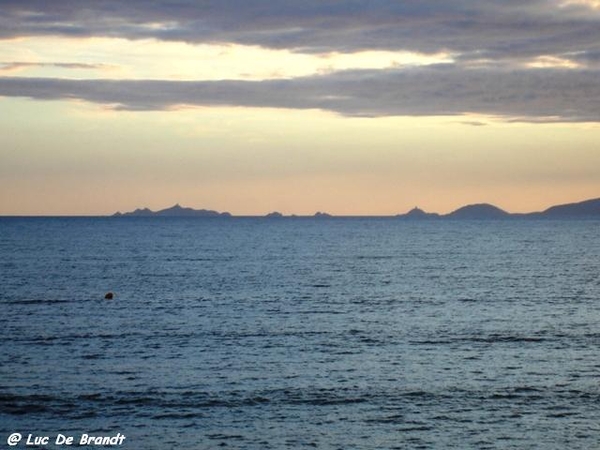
(302, 333)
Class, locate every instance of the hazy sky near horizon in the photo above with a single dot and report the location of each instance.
(350, 107)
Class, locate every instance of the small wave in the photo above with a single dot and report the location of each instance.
(224, 437)
(561, 415)
(375, 257)
(526, 389)
(27, 404)
(237, 399)
(318, 311)
(38, 301)
(416, 428)
(95, 396)
(175, 415)
(493, 338)
(192, 404)
(392, 419)
(432, 342)
(488, 339)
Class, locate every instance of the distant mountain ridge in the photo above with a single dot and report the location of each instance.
(587, 209)
(173, 211)
(418, 214)
(484, 211)
(479, 211)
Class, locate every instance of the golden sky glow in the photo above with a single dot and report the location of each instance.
(592, 4)
(115, 58)
(353, 131)
(252, 161)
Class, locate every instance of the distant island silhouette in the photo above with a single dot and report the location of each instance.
(588, 209)
(173, 211)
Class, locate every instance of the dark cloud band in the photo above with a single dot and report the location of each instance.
(529, 94)
(487, 28)
(486, 38)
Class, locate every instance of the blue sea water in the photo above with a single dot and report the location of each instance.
(301, 333)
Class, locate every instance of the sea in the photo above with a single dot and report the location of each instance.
(327, 333)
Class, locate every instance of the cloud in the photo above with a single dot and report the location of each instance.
(535, 60)
(535, 95)
(482, 29)
(19, 65)
(474, 123)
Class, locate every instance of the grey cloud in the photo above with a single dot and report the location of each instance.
(529, 95)
(588, 57)
(474, 123)
(13, 65)
(487, 28)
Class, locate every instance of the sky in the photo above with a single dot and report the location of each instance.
(345, 106)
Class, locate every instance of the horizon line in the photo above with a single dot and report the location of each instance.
(276, 214)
